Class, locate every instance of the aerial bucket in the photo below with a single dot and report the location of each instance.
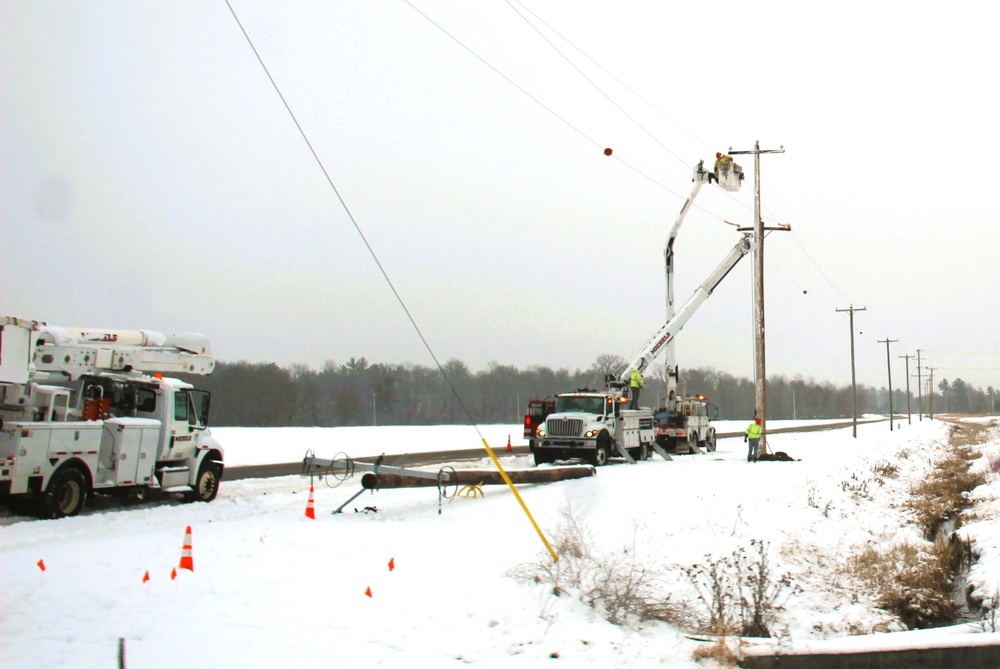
(730, 176)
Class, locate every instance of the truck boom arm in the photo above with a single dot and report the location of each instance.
(665, 334)
(34, 350)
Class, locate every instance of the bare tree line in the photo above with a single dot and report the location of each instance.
(358, 392)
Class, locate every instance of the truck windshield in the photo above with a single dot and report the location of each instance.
(576, 404)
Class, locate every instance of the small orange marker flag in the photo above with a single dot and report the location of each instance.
(187, 560)
(41, 564)
(310, 505)
(392, 563)
(173, 573)
(368, 592)
(145, 577)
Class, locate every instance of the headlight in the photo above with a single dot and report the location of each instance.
(591, 433)
(540, 432)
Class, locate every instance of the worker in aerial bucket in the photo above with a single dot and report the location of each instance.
(635, 386)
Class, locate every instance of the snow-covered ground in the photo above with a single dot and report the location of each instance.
(272, 588)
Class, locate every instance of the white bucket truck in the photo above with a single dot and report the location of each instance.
(89, 411)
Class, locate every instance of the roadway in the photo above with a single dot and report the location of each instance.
(438, 457)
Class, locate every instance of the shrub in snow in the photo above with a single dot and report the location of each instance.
(739, 594)
(616, 581)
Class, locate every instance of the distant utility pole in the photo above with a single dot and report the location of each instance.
(854, 384)
(907, 356)
(888, 365)
(930, 393)
(920, 389)
(760, 377)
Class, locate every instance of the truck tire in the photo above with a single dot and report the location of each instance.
(541, 457)
(711, 443)
(640, 453)
(65, 495)
(702, 445)
(206, 486)
(600, 457)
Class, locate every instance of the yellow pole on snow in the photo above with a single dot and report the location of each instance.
(524, 507)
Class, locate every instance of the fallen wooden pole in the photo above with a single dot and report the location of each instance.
(373, 481)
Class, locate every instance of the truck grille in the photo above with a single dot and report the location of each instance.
(565, 427)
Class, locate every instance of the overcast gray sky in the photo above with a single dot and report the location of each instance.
(150, 177)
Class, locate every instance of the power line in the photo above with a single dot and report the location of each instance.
(388, 281)
(622, 83)
(592, 83)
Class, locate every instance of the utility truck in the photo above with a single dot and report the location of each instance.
(86, 411)
(594, 426)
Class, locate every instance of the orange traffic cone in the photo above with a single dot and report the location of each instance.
(310, 505)
(187, 561)
(509, 449)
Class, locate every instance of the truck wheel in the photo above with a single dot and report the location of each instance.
(541, 458)
(711, 443)
(206, 486)
(639, 453)
(600, 457)
(65, 495)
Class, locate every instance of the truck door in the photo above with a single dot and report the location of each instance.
(201, 400)
(184, 422)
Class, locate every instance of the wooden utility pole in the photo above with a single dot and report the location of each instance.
(920, 389)
(854, 383)
(888, 365)
(930, 393)
(760, 374)
(907, 356)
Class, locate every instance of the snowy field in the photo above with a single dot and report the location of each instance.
(272, 588)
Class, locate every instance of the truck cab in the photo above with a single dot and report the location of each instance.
(592, 426)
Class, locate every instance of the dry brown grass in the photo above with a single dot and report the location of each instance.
(942, 495)
(913, 582)
(723, 652)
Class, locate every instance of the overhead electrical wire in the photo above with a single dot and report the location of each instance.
(561, 118)
(796, 238)
(612, 75)
(392, 287)
(592, 83)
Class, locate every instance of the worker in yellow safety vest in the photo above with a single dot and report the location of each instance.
(752, 436)
(636, 386)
